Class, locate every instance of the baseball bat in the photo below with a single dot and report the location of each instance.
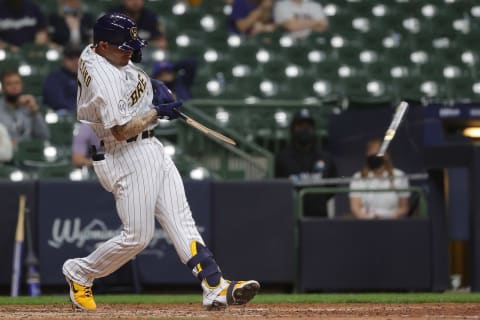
(17, 249)
(205, 129)
(393, 127)
(31, 260)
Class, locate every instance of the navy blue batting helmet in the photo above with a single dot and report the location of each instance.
(118, 29)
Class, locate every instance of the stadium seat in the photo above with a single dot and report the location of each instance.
(417, 88)
(327, 68)
(347, 55)
(379, 70)
(366, 92)
(61, 133)
(55, 171)
(6, 170)
(244, 54)
(297, 55)
(29, 150)
(463, 89)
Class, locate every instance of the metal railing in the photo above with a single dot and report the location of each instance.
(260, 128)
(247, 160)
(422, 204)
(333, 186)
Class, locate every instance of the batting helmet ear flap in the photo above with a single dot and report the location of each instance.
(137, 56)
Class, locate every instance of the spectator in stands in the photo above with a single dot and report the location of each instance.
(177, 77)
(251, 17)
(148, 25)
(300, 17)
(19, 112)
(83, 139)
(378, 173)
(71, 24)
(6, 147)
(60, 87)
(21, 21)
(303, 160)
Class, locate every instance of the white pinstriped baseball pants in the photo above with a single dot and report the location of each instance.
(146, 185)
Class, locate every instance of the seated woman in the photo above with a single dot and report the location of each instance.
(378, 173)
(251, 17)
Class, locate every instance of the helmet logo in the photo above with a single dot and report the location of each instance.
(133, 32)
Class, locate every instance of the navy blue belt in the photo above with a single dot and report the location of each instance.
(144, 135)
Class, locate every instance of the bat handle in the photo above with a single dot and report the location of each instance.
(182, 115)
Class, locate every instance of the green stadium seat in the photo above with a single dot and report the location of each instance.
(33, 84)
(417, 88)
(468, 41)
(61, 133)
(55, 171)
(296, 55)
(365, 91)
(34, 54)
(379, 70)
(6, 170)
(327, 68)
(29, 150)
(272, 70)
(347, 55)
(341, 22)
(325, 88)
(218, 40)
(397, 56)
(463, 89)
(162, 7)
(189, 21)
(296, 88)
(244, 54)
(430, 70)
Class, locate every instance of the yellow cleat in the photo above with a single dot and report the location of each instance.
(81, 296)
(228, 292)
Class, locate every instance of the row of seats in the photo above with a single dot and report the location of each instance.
(356, 88)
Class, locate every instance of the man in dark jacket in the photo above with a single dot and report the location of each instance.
(60, 87)
(303, 160)
(178, 77)
(147, 22)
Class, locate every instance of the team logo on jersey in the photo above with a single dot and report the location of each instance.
(82, 68)
(138, 91)
(133, 32)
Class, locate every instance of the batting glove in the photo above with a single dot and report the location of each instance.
(164, 102)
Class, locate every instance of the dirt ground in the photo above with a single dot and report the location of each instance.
(252, 311)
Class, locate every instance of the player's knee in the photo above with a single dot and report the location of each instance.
(139, 240)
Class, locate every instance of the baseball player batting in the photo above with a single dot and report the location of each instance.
(122, 105)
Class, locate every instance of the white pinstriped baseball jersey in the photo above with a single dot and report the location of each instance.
(108, 95)
(142, 177)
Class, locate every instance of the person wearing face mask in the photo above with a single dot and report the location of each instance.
(304, 160)
(71, 24)
(378, 173)
(19, 112)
